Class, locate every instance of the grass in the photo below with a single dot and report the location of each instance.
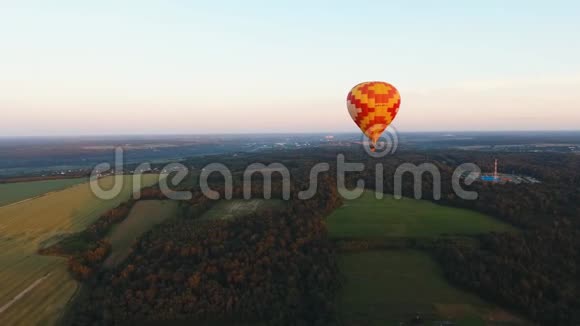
(368, 217)
(15, 192)
(391, 286)
(387, 287)
(229, 209)
(143, 216)
(26, 225)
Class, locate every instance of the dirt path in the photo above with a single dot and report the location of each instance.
(23, 293)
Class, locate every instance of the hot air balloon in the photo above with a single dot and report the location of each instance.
(373, 106)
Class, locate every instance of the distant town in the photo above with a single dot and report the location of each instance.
(67, 157)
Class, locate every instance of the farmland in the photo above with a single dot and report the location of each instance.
(15, 192)
(34, 289)
(391, 286)
(144, 215)
(368, 217)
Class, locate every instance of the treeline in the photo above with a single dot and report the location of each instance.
(528, 206)
(88, 249)
(274, 266)
(536, 272)
(85, 263)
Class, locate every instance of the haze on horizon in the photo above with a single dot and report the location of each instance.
(178, 67)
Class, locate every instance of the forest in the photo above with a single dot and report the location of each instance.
(279, 266)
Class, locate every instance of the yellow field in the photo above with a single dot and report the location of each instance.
(34, 289)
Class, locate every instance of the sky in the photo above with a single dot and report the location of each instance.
(198, 67)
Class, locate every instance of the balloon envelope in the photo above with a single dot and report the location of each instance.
(373, 106)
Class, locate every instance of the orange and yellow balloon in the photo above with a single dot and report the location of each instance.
(373, 106)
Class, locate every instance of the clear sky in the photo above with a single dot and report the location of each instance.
(168, 66)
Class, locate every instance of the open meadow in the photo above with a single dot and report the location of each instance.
(229, 209)
(387, 287)
(34, 289)
(368, 217)
(17, 191)
(143, 216)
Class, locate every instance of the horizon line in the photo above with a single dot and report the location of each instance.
(282, 133)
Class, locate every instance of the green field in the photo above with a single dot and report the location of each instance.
(15, 192)
(229, 209)
(368, 217)
(386, 287)
(34, 289)
(391, 286)
(144, 215)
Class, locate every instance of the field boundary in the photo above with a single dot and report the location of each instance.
(43, 194)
